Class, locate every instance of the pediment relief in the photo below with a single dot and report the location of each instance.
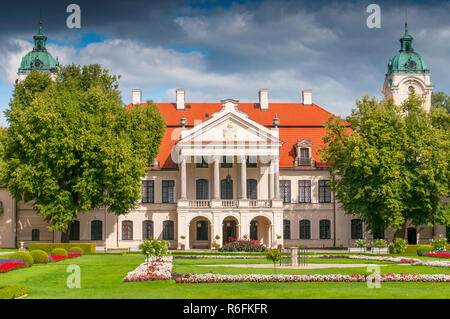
(304, 143)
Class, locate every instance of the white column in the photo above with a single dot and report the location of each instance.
(216, 178)
(277, 177)
(243, 177)
(183, 177)
(271, 179)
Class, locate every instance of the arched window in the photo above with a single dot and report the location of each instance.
(287, 229)
(74, 230)
(378, 233)
(356, 229)
(252, 191)
(325, 229)
(168, 230)
(96, 230)
(35, 234)
(305, 229)
(202, 189)
(147, 229)
(226, 188)
(202, 230)
(127, 230)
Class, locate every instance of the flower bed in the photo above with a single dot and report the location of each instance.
(249, 245)
(157, 268)
(444, 254)
(221, 278)
(55, 258)
(219, 257)
(10, 264)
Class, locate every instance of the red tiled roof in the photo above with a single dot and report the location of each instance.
(297, 121)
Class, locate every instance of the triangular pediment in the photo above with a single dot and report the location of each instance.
(229, 125)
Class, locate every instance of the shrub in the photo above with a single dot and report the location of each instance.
(155, 247)
(398, 246)
(26, 257)
(12, 291)
(76, 250)
(59, 252)
(439, 244)
(248, 245)
(423, 249)
(380, 243)
(48, 247)
(39, 256)
(361, 243)
(274, 256)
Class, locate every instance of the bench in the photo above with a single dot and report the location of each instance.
(357, 250)
(379, 250)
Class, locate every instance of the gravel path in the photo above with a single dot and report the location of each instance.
(309, 266)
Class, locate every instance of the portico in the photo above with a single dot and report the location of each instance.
(241, 159)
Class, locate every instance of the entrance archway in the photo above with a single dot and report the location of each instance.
(261, 230)
(200, 233)
(229, 229)
(412, 236)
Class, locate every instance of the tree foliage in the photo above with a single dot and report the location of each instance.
(71, 145)
(440, 100)
(393, 165)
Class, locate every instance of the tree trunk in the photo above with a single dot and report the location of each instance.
(65, 236)
(401, 233)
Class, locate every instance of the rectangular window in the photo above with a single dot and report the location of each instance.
(227, 162)
(285, 191)
(168, 191)
(201, 162)
(325, 229)
(324, 192)
(304, 191)
(252, 161)
(168, 230)
(287, 229)
(147, 191)
(35, 235)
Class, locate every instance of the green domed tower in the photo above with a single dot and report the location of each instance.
(38, 59)
(407, 71)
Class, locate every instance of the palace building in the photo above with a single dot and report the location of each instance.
(228, 169)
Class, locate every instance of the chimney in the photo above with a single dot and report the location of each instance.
(307, 97)
(180, 99)
(264, 99)
(136, 96)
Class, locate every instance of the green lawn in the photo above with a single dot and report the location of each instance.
(101, 277)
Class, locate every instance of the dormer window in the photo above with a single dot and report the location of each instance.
(304, 153)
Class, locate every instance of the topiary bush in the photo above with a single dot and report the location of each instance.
(26, 257)
(424, 249)
(76, 250)
(59, 252)
(48, 247)
(39, 256)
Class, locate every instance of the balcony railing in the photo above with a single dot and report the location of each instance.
(304, 161)
(229, 203)
(200, 203)
(259, 203)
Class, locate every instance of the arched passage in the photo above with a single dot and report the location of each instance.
(200, 233)
(230, 229)
(261, 230)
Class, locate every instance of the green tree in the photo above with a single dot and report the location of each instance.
(440, 100)
(392, 166)
(71, 145)
(274, 256)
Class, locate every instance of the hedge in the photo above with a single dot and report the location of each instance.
(48, 247)
(12, 291)
(412, 249)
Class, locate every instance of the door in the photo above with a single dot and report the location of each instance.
(412, 236)
(229, 230)
(254, 230)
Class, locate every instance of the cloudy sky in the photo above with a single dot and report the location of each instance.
(230, 49)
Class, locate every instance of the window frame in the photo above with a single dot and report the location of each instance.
(252, 189)
(99, 224)
(304, 191)
(148, 191)
(71, 230)
(324, 191)
(204, 189)
(356, 233)
(227, 190)
(127, 230)
(168, 191)
(325, 229)
(145, 228)
(304, 231)
(285, 191)
(203, 228)
(286, 229)
(168, 230)
(35, 234)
